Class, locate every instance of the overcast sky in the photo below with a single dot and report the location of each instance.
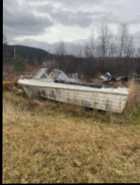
(37, 22)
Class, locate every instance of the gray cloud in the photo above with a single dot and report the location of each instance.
(21, 20)
(83, 13)
(70, 3)
(35, 17)
(73, 16)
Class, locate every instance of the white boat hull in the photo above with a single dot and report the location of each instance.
(107, 99)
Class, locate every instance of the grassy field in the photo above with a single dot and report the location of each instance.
(52, 142)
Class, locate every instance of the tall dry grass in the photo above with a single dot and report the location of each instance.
(52, 142)
(134, 93)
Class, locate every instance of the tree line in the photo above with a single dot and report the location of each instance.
(108, 52)
(106, 44)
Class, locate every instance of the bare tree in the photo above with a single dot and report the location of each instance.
(92, 46)
(112, 48)
(138, 52)
(126, 42)
(81, 51)
(104, 39)
(60, 50)
(123, 39)
(129, 51)
(89, 49)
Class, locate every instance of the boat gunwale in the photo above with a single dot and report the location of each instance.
(85, 90)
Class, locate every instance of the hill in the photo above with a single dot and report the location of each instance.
(88, 67)
(26, 52)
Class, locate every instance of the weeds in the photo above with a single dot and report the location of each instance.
(53, 142)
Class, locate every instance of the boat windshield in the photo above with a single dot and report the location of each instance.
(41, 74)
